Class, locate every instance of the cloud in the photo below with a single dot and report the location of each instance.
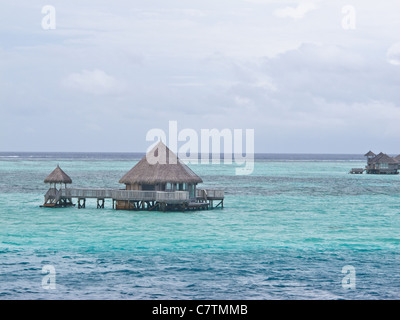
(94, 82)
(296, 13)
(236, 64)
(317, 92)
(393, 54)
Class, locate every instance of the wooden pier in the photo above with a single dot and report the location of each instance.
(136, 199)
(159, 181)
(357, 171)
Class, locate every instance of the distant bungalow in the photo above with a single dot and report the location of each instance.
(382, 164)
(159, 181)
(379, 164)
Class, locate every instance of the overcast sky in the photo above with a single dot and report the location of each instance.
(304, 75)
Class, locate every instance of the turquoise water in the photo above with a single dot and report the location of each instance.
(286, 232)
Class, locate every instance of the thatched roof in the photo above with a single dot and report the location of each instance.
(384, 158)
(58, 176)
(398, 158)
(160, 165)
(369, 154)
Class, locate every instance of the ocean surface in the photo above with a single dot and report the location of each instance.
(287, 231)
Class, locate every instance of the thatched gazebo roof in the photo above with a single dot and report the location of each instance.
(369, 154)
(160, 165)
(58, 176)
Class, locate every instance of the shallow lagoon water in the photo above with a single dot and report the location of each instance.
(286, 232)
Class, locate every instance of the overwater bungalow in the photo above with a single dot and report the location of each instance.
(382, 164)
(160, 170)
(379, 164)
(159, 181)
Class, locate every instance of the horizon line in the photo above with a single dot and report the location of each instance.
(210, 153)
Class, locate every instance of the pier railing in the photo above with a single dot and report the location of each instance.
(87, 193)
(50, 194)
(58, 196)
(210, 194)
(133, 195)
(137, 195)
(172, 196)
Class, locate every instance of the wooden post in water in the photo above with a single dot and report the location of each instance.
(100, 203)
(83, 204)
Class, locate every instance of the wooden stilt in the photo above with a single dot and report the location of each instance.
(81, 205)
(100, 203)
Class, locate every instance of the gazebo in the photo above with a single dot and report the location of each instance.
(58, 176)
(53, 195)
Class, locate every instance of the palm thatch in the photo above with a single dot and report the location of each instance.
(369, 154)
(384, 158)
(398, 158)
(160, 165)
(58, 176)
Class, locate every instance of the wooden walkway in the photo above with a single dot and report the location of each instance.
(136, 199)
(357, 170)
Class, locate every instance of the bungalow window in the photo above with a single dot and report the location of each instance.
(148, 187)
(182, 187)
(384, 165)
(168, 186)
